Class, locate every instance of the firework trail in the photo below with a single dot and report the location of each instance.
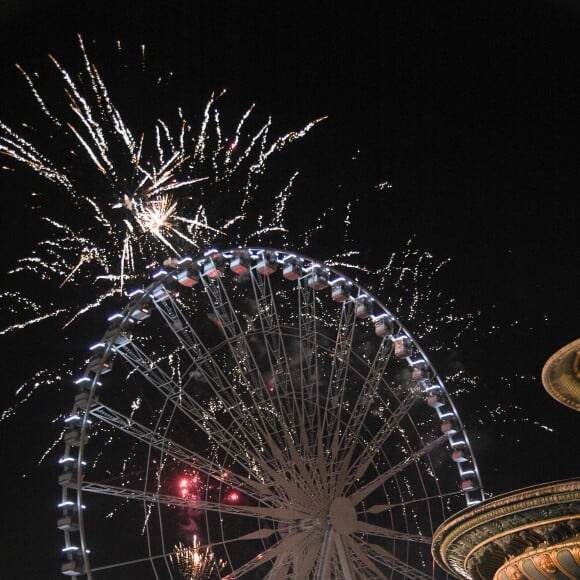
(145, 196)
(125, 202)
(122, 200)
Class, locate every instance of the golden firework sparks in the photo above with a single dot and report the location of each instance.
(196, 562)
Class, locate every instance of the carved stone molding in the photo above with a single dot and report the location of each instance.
(560, 560)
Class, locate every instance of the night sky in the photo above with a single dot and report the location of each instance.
(470, 110)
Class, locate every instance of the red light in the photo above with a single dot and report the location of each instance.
(188, 486)
(233, 496)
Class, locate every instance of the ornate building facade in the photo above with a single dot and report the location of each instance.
(531, 533)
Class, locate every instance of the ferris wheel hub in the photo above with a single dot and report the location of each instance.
(342, 515)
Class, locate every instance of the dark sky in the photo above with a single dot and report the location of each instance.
(469, 109)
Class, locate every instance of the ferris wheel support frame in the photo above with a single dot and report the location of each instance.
(209, 269)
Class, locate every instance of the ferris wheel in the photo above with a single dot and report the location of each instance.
(271, 407)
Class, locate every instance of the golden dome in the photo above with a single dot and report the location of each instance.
(561, 375)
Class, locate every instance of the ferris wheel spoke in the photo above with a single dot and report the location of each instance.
(308, 348)
(276, 467)
(183, 455)
(346, 439)
(252, 536)
(201, 359)
(305, 562)
(345, 562)
(371, 529)
(340, 468)
(383, 556)
(309, 476)
(127, 563)
(244, 358)
(322, 465)
(366, 490)
(282, 379)
(374, 446)
(380, 508)
(355, 549)
(286, 544)
(339, 369)
(203, 363)
(237, 439)
(244, 443)
(282, 516)
(292, 490)
(280, 567)
(367, 393)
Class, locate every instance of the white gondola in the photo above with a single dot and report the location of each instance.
(97, 363)
(215, 265)
(468, 485)
(72, 437)
(318, 278)
(68, 522)
(435, 400)
(266, 264)
(141, 312)
(419, 370)
(115, 336)
(459, 456)
(81, 402)
(363, 307)
(212, 270)
(188, 277)
(448, 428)
(241, 263)
(383, 325)
(402, 347)
(73, 567)
(160, 293)
(67, 477)
(292, 269)
(340, 290)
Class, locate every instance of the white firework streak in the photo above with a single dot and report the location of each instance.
(130, 203)
(154, 220)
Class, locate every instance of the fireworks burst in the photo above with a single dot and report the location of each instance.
(196, 562)
(123, 204)
(144, 197)
(124, 199)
